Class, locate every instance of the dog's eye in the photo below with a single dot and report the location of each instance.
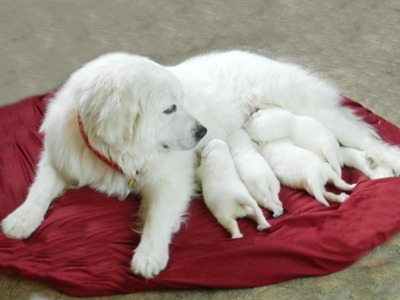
(170, 109)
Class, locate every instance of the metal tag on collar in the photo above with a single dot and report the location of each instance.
(132, 182)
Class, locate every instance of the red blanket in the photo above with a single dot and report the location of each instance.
(85, 244)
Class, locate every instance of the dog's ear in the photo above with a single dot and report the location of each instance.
(117, 120)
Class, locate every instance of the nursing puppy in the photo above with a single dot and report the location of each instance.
(255, 172)
(224, 193)
(125, 124)
(301, 169)
(304, 131)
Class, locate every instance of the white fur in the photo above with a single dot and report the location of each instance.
(112, 93)
(300, 168)
(365, 162)
(122, 99)
(224, 193)
(276, 123)
(255, 172)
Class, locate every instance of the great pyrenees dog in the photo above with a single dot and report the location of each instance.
(125, 124)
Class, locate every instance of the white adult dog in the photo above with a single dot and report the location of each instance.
(140, 118)
(224, 193)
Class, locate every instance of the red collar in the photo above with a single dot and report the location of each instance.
(100, 156)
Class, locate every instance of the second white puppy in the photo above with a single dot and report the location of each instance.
(255, 172)
(296, 167)
(275, 123)
(224, 193)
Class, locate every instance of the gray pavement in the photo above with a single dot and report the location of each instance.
(354, 44)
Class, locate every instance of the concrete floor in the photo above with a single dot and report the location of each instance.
(355, 44)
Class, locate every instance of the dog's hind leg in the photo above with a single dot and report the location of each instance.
(357, 159)
(340, 183)
(231, 226)
(273, 204)
(48, 184)
(367, 163)
(336, 198)
(315, 189)
(354, 133)
(257, 215)
(332, 155)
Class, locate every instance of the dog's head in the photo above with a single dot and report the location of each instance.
(131, 105)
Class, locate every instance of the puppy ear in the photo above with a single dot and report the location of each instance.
(117, 120)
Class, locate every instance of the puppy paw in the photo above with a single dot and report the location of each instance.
(371, 160)
(277, 210)
(275, 206)
(263, 226)
(148, 263)
(22, 222)
(336, 198)
(342, 197)
(236, 235)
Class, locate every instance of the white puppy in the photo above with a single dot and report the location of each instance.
(367, 163)
(223, 192)
(276, 123)
(139, 119)
(300, 168)
(255, 172)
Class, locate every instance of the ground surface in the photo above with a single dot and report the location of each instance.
(354, 44)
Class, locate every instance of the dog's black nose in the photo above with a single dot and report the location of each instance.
(200, 132)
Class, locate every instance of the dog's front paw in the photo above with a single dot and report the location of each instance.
(22, 222)
(147, 262)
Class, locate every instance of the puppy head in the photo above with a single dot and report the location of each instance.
(213, 147)
(131, 104)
